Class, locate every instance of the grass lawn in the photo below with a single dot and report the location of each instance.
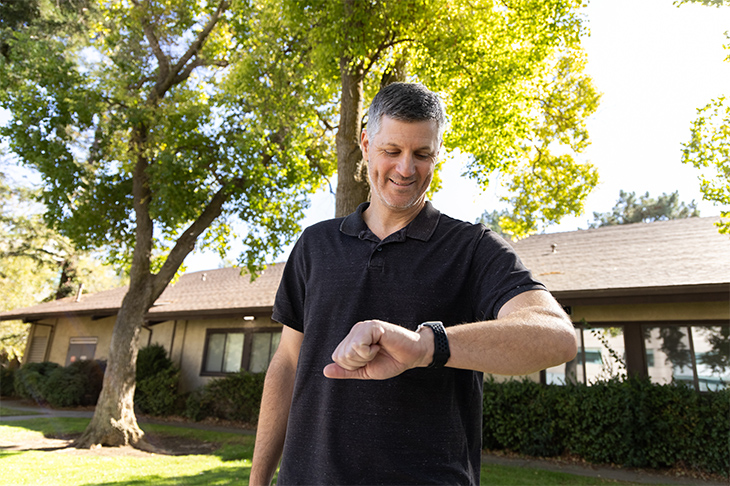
(9, 412)
(229, 464)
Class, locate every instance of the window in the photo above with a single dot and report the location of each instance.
(695, 355)
(233, 350)
(601, 355)
(81, 349)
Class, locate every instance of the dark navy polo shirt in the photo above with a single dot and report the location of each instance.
(424, 426)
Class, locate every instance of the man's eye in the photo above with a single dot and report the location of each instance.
(423, 156)
(392, 153)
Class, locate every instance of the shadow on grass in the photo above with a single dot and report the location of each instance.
(172, 440)
(217, 476)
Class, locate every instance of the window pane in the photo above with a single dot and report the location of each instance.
(605, 353)
(712, 355)
(275, 338)
(214, 360)
(672, 359)
(234, 353)
(260, 352)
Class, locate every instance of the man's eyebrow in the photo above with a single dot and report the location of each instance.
(395, 145)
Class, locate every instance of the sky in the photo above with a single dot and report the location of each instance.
(655, 65)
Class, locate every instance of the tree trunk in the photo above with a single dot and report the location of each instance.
(352, 181)
(114, 422)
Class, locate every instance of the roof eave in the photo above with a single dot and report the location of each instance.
(716, 292)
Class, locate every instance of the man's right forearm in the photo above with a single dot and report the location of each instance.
(271, 430)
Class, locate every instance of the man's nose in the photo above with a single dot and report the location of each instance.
(406, 166)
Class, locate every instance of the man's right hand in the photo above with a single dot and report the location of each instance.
(378, 350)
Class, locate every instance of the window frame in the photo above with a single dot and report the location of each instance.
(247, 345)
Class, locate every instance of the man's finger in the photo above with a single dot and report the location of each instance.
(335, 371)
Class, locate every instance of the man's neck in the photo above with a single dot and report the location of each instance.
(383, 222)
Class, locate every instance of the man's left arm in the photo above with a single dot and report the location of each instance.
(531, 333)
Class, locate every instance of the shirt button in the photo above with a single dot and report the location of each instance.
(380, 248)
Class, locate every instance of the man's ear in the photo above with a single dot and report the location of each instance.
(364, 143)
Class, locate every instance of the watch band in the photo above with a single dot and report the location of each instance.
(441, 352)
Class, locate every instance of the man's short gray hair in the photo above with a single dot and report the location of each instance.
(408, 102)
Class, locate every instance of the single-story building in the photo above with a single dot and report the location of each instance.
(651, 299)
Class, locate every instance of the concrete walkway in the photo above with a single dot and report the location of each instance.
(30, 411)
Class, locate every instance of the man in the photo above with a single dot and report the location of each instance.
(358, 392)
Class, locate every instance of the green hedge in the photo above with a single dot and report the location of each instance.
(77, 384)
(7, 381)
(235, 397)
(30, 380)
(632, 423)
(157, 381)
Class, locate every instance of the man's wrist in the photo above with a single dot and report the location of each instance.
(438, 345)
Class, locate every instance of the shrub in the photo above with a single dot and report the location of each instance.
(157, 394)
(77, 384)
(157, 381)
(631, 422)
(30, 379)
(7, 381)
(235, 397)
(151, 360)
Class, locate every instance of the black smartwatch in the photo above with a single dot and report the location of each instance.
(441, 352)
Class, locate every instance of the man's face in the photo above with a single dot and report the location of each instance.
(401, 159)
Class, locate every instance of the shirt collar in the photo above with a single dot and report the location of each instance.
(421, 228)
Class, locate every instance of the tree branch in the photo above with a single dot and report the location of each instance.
(200, 40)
(186, 242)
(162, 60)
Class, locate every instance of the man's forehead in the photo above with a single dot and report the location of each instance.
(395, 132)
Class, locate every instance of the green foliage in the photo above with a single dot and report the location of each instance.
(30, 379)
(511, 75)
(7, 381)
(151, 360)
(157, 381)
(36, 263)
(709, 151)
(157, 394)
(235, 397)
(645, 209)
(152, 91)
(77, 384)
(628, 422)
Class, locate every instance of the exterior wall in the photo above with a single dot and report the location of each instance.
(188, 344)
(65, 328)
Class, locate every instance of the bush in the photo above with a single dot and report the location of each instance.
(30, 379)
(157, 394)
(77, 384)
(151, 360)
(157, 381)
(633, 423)
(235, 397)
(7, 381)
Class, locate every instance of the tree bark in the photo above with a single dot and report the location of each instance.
(352, 181)
(114, 422)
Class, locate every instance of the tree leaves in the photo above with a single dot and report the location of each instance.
(709, 151)
(628, 209)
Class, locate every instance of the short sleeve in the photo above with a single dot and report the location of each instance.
(289, 301)
(498, 275)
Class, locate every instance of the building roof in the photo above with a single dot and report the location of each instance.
(222, 292)
(624, 263)
(675, 256)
